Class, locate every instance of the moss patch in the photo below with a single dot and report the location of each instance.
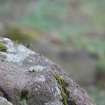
(17, 35)
(62, 87)
(23, 102)
(64, 92)
(24, 97)
(2, 47)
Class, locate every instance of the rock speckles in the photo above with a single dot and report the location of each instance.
(24, 71)
(3, 101)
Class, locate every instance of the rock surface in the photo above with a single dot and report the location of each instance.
(28, 78)
(3, 101)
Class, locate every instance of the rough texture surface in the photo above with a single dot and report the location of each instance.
(26, 76)
(3, 101)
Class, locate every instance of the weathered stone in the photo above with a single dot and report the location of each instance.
(28, 77)
(4, 101)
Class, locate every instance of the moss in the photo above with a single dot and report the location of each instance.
(2, 47)
(17, 35)
(24, 97)
(23, 102)
(62, 87)
(64, 92)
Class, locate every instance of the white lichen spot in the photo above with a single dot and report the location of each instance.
(19, 54)
(16, 53)
(9, 44)
(40, 78)
(4, 101)
(36, 68)
(56, 91)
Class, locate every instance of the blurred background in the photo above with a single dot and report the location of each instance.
(69, 32)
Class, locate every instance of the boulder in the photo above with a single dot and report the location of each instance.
(28, 78)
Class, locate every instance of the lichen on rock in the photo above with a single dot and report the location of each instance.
(14, 52)
(2, 47)
(63, 89)
(37, 68)
(4, 101)
(27, 77)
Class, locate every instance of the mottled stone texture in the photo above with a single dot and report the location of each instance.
(4, 101)
(30, 77)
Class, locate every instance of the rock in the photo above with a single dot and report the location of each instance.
(76, 62)
(28, 78)
(4, 101)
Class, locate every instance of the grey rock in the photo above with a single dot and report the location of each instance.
(4, 101)
(30, 78)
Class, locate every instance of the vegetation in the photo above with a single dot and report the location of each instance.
(17, 35)
(63, 88)
(76, 28)
(2, 47)
(24, 97)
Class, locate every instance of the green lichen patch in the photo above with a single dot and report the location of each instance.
(63, 89)
(23, 102)
(17, 35)
(24, 97)
(2, 47)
